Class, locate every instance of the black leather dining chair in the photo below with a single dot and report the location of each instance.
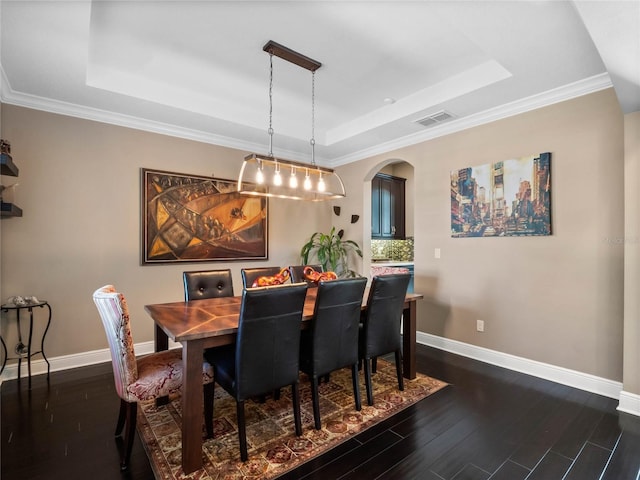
(331, 343)
(250, 274)
(207, 284)
(265, 355)
(380, 331)
(297, 272)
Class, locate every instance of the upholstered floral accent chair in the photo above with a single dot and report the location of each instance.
(146, 378)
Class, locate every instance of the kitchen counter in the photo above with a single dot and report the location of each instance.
(390, 263)
(391, 267)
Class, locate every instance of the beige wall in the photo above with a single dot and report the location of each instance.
(631, 380)
(80, 193)
(555, 299)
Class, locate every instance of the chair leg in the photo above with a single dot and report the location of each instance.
(276, 394)
(356, 386)
(315, 401)
(327, 378)
(122, 416)
(242, 430)
(208, 408)
(399, 370)
(374, 364)
(130, 432)
(295, 395)
(367, 381)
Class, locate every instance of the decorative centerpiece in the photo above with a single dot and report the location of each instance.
(277, 279)
(317, 277)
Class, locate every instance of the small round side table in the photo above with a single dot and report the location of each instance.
(24, 351)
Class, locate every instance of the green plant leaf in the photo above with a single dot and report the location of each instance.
(331, 251)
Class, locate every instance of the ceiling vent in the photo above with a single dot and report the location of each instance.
(435, 118)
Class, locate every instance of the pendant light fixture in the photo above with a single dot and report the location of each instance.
(268, 176)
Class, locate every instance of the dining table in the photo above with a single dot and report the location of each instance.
(206, 323)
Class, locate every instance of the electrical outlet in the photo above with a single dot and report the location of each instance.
(480, 325)
(436, 253)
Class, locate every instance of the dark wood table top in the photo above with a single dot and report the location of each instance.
(184, 321)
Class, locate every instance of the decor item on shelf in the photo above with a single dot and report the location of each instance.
(19, 300)
(262, 175)
(332, 252)
(6, 162)
(278, 279)
(7, 168)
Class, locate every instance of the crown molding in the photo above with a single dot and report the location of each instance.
(567, 92)
(556, 95)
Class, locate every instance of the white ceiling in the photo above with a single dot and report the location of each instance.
(196, 69)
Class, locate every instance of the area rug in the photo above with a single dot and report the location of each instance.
(273, 447)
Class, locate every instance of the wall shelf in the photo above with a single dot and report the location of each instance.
(8, 167)
(10, 210)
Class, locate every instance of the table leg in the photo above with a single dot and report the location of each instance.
(42, 342)
(6, 355)
(20, 343)
(192, 405)
(409, 341)
(29, 344)
(161, 339)
(161, 344)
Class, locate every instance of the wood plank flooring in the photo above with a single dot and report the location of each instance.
(491, 423)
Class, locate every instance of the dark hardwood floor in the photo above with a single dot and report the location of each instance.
(490, 423)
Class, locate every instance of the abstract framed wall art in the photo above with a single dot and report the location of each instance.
(189, 218)
(503, 199)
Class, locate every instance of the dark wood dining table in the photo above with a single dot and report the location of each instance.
(201, 324)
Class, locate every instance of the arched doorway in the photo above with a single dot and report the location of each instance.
(385, 248)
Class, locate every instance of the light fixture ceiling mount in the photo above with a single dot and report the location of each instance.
(261, 175)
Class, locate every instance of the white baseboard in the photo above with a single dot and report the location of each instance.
(65, 362)
(565, 376)
(629, 403)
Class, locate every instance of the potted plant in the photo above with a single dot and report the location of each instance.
(331, 251)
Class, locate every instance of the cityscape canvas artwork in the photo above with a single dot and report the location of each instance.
(502, 199)
(188, 218)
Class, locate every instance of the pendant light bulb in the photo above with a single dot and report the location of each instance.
(259, 174)
(277, 178)
(293, 180)
(307, 181)
(321, 185)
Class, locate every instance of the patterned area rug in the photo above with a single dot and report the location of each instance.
(273, 446)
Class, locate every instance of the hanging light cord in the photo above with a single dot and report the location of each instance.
(270, 131)
(313, 118)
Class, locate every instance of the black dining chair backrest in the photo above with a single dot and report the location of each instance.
(268, 340)
(331, 342)
(250, 274)
(335, 325)
(381, 327)
(380, 332)
(297, 272)
(207, 284)
(265, 355)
